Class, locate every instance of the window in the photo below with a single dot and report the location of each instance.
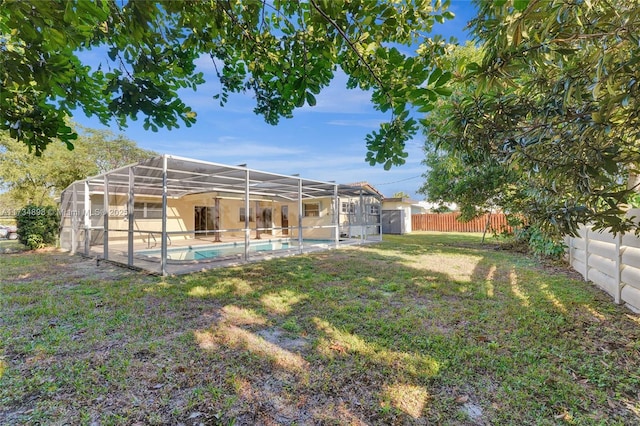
(252, 217)
(347, 208)
(373, 209)
(311, 209)
(147, 210)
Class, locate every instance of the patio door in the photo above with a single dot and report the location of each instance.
(206, 220)
(284, 217)
(265, 220)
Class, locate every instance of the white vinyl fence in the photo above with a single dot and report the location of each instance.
(611, 262)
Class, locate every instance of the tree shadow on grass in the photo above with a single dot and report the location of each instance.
(558, 345)
(471, 340)
(394, 333)
(332, 327)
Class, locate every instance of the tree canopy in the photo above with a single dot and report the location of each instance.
(476, 182)
(552, 106)
(38, 180)
(284, 52)
(559, 84)
(552, 103)
(401, 194)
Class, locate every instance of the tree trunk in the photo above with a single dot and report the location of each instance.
(486, 226)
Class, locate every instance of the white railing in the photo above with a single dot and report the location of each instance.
(610, 261)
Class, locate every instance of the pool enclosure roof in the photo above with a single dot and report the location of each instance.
(185, 176)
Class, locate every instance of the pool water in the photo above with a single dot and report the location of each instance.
(205, 252)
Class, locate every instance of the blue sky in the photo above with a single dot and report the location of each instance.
(324, 142)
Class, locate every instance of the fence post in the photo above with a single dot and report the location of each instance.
(586, 253)
(618, 277)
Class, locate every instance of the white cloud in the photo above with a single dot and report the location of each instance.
(226, 148)
(336, 98)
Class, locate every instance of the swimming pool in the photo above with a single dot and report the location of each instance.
(213, 251)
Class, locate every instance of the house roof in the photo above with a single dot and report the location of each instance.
(367, 186)
(185, 176)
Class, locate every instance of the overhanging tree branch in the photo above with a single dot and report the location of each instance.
(354, 48)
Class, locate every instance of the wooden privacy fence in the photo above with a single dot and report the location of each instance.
(448, 222)
(611, 262)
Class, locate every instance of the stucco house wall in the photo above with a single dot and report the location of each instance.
(181, 217)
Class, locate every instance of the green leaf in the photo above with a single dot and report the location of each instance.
(444, 91)
(443, 79)
(520, 5)
(311, 100)
(435, 74)
(472, 66)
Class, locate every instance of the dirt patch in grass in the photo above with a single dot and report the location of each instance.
(45, 264)
(416, 330)
(280, 338)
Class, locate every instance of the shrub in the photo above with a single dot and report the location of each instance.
(539, 244)
(35, 241)
(37, 226)
(442, 209)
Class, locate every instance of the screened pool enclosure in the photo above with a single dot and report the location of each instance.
(172, 215)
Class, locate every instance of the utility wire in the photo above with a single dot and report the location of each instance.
(397, 181)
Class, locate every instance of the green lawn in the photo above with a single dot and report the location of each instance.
(11, 246)
(425, 328)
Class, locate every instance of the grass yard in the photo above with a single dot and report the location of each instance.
(420, 329)
(11, 246)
